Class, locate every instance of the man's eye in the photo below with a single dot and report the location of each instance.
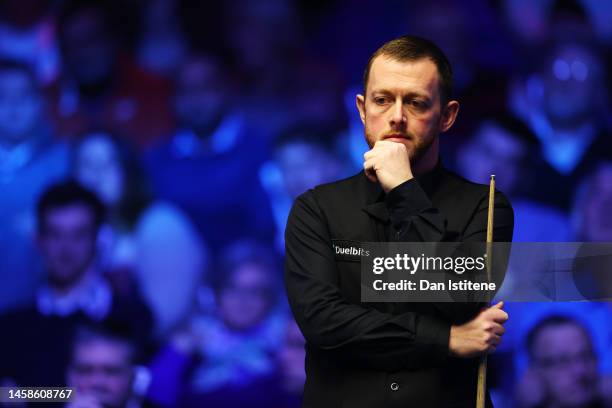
(418, 104)
(380, 100)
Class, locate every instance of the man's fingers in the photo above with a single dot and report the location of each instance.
(368, 167)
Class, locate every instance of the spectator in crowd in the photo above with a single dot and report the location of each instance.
(593, 224)
(209, 166)
(566, 106)
(35, 353)
(27, 34)
(563, 368)
(30, 160)
(104, 370)
(223, 351)
(101, 86)
(592, 201)
(162, 44)
(504, 146)
(143, 240)
(304, 156)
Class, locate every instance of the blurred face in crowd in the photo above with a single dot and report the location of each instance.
(261, 32)
(291, 358)
(102, 370)
(304, 165)
(572, 85)
(402, 103)
(88, 47)
(201, 95)
(493, 150)
(20, 106)
(246, 299)
(597, 223)
(566, 363)
(98, 168)
(68, 243)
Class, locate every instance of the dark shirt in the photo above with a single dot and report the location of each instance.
(382, 354)
(35, 347)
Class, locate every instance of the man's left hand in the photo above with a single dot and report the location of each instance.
(387, 163)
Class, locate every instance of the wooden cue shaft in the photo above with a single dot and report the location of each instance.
(482, 367)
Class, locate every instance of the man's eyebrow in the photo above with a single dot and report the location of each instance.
(411, 94)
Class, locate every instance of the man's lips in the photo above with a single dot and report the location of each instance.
(396, 137)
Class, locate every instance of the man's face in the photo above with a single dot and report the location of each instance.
(304, 166)
(88, 48)
(567, 365)
(245, 301)
(201, 95)
(20, 106)
(402, 104)
(493, 151)
(102, 370)
(68, 243)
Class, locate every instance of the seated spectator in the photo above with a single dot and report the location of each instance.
(504, 146)
(304, 156)
(591, 214)
(143, 240)
(29, 161)
(104, 369)
(233, 347)
(209, 166)
(76, 291)
(592, 272)
(101, 86)
(566, 105)
(563, 368)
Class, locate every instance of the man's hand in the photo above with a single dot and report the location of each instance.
(480, 335)
(388, 164)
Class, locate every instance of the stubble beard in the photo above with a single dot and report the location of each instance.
(415, 153)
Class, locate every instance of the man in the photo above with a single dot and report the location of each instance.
(504, 146)
(34, 353)
(304, 156)
(101, 85)
(392, 354)
(103, 368)
(212, 141)
(563, 367)
(29, 162)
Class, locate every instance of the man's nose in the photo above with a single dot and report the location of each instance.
(398, 116)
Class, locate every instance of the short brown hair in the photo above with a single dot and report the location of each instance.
(413, 48)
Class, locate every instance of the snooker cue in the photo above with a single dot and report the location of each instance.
(482, 367)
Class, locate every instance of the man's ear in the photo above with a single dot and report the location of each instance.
(360, 102)
(449, 114)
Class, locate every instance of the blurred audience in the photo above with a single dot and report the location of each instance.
(162, 44)
(592, 202)
(304, 156)
(232, 346)
(75, 291)
(143, 240)
(563, 369)
(101, 85)
(29, 161)
(593, 224)
(505, 147)
(567, 107)
(28, 35)
(104, 369)
(209, 166)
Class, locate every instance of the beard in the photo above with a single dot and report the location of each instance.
(416, 149)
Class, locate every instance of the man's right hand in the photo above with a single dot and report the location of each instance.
(480, 335)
